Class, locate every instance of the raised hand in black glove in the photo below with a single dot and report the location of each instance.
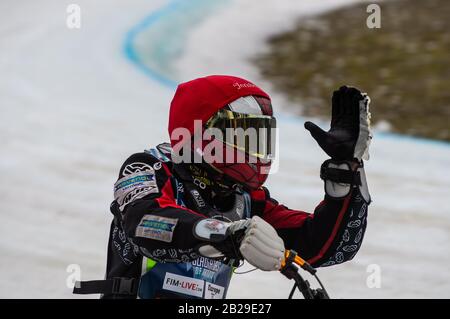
(349, 136)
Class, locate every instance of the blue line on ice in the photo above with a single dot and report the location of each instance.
(148, 22)
(174, 5)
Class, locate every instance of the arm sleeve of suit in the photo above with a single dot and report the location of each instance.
(332, 234)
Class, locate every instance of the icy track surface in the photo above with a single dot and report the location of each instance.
(73, 107)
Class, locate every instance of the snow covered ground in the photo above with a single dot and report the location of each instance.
(74, 105)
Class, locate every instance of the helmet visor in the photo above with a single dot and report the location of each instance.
(253, 134)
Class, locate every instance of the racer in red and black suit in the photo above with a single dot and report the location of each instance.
(180, 227)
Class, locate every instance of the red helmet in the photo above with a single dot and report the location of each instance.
(225, 102)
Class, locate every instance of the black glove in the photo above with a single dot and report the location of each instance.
(349, 136)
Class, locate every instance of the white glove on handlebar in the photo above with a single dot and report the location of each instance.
(257, 241)
(261, 245)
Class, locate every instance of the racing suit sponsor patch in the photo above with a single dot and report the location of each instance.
(213, 291)
(135, 186)
(156, 227)
(184, 285)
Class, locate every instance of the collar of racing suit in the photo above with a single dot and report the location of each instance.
(209, 196)
(205, 190)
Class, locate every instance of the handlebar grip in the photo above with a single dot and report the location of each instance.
(291, 256)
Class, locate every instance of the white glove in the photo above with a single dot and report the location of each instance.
(261, 245)
(257, 240)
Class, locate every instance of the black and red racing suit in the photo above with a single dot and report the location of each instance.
(331, 235)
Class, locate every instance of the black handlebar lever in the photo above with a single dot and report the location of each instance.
(290, 269)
